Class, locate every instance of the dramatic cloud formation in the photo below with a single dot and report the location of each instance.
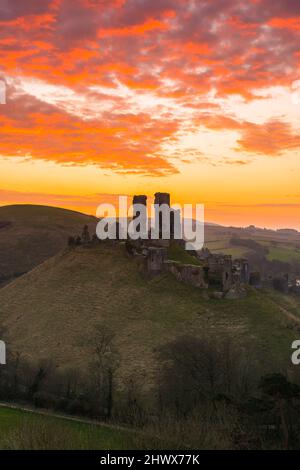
(110, 82)
(117, 140)
(136, 90)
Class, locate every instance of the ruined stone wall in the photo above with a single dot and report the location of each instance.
(187, 273)
(220, 271)
(255, 279)
(156, 256)
(241, 271)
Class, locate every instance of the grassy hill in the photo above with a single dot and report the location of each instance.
(30, 234)
(53, 311)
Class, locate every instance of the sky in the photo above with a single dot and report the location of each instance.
(193, 97)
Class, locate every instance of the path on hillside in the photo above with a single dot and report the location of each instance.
(288, 314)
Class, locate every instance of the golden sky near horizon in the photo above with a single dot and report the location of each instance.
(197, 98)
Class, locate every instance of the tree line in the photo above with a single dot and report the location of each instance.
(204, 395)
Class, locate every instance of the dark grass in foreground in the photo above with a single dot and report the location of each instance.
(31, 431)
(207, 428)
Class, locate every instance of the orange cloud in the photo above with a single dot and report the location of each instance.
(195, 48)
(290, 23)
(135, 30)
(272, 138)
(123, 142)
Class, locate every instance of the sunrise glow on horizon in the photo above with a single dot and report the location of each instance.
(197, 98)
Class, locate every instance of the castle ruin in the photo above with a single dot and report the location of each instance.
(218, 273)
(209, 271)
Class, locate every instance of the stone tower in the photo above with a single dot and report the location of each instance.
(220, 271)
(241, 270)
(159, 200)
(142, 201)
(162, 198)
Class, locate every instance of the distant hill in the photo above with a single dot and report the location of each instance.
(30, 234)
(280, 245)
(288, 231)
(52, 312)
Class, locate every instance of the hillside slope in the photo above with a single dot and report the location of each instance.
(30, 234)
(53, 310)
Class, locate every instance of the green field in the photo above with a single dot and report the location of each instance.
(285, 254)
(27, 430)
(278, 250)
(234, 251)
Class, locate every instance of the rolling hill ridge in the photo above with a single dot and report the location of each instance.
(29, 234)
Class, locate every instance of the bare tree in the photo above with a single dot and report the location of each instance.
(39, 376)
(103, 367)
(198, 369)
